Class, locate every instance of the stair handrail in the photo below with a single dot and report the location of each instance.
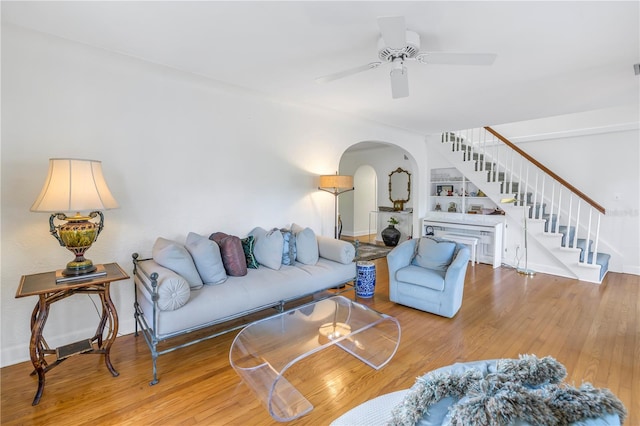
(546, 170)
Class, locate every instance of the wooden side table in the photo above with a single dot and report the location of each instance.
(44, 286)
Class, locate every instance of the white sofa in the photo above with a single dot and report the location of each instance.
(158, 289)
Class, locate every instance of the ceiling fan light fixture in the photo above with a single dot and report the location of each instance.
(409, 50)
(399, 79)
(398, 66)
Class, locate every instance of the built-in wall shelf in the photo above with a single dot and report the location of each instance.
(451, 192)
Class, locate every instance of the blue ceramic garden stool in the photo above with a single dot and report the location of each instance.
(366, 279)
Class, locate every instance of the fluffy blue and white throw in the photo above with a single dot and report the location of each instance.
(527, 390)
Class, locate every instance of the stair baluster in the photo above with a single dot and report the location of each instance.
(595, 248)
(553, 197)
(568, 235)
(588, 245)
(555, 226)
(494, 171)
(574, 243)
(513, 156)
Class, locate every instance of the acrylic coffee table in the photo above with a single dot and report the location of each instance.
(263, 351)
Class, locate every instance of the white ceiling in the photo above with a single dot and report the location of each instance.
(553, 58)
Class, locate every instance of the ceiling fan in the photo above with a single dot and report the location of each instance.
(398, 45)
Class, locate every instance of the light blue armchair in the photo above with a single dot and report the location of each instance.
(428, 274)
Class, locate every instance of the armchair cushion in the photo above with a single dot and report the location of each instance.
(434, 253)
(422, 277)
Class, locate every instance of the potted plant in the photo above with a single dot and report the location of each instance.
(390, 235)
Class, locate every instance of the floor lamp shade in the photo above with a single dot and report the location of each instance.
(74, 185)
(336, 182)
(336, 185)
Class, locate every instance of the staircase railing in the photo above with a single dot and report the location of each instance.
(570, 212)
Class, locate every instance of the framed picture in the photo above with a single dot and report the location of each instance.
(445, 188)
(476, 208)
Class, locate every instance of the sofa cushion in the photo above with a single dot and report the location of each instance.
(175, 256)
(232, 253)
(173, 289)
(260, 287)
(422, 277)
(434, 253)
(306, 245)
(206, 255)
(269, 247)
(248, 245)
(289, 247)
(336, 250)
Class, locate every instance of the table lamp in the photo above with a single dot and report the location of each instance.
(336, 185)
(75, 185)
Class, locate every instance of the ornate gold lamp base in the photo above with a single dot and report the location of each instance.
(77, 235)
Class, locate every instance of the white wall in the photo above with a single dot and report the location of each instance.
(180, 153)
(365, 200)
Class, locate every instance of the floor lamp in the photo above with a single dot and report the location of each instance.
(526, 270)
(336, 185)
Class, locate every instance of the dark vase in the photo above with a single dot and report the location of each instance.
(390, 236)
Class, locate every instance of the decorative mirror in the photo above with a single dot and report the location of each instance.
(399, 188)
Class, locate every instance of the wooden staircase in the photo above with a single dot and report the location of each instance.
(561, 220)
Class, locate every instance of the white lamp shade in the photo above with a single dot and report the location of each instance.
(74, 185)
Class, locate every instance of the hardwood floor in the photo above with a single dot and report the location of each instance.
(594, 330)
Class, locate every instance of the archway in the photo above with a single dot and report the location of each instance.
(364, 160)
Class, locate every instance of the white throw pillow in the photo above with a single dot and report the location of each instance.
(336, 250)
(173, 290)
(306, 245)
(206, 256)
(268, 247)
(174, 256)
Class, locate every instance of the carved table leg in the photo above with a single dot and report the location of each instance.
(109, 312)
(39, 318)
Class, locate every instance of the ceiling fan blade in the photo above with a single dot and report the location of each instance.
(399, 82)
(452, 58)
(346, 73)
(393, 30)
